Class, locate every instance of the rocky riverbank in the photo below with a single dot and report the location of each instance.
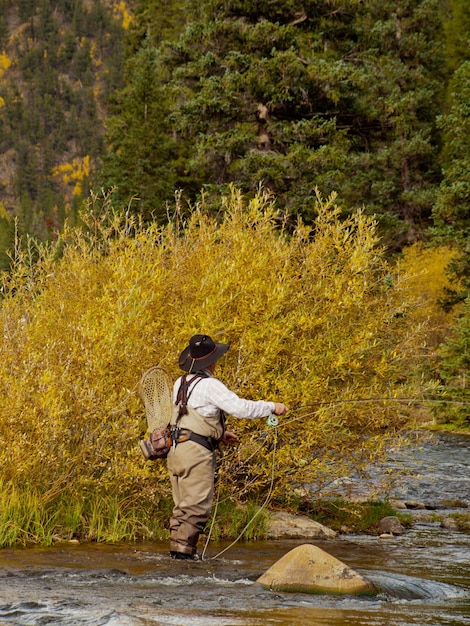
(283, 525)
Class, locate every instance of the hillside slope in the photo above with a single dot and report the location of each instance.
(59, 63)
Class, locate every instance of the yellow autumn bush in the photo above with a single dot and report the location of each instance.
(427, 279)
(315, 318)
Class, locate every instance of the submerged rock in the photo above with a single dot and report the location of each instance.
(283, 525)
(308, 569)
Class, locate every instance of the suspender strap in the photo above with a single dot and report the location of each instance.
(179, 435)
(183, 395)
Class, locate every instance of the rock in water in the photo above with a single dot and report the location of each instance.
(308, 569)
(282, 525)
(392, 525)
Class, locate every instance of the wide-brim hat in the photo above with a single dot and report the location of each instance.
(201, 352)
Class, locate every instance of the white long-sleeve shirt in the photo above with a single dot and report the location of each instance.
(210, 395)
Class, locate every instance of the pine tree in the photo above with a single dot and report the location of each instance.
(456, 20)
(139, 140)
(451, 211)
(161, 20)
(333, 94)
(452, 208)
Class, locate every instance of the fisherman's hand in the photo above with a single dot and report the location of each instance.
(229, 437)
(280, 409)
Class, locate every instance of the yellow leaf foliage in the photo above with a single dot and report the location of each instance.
(74, 174)
(5, 63)
(122, 12)
(427, 278)
(314, 318)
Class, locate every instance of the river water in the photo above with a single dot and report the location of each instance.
(424, 574)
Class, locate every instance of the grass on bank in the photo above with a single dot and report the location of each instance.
(344, 516)
(462, 520)
(26, 519)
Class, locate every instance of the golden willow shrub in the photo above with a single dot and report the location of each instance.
(315, 319)
(427, 276)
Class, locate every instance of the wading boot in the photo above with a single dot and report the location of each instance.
(182, 556)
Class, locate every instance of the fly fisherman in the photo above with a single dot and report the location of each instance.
(197, 427)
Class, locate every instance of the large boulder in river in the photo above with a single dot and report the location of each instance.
(308, 569)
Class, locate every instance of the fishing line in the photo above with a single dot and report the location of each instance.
(214, 515)
(333, 403)
(228, 456)
(273, 422)
(381, 399)
(262, 507)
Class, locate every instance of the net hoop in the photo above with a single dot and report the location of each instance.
(155, 391)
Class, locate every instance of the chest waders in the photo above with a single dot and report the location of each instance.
(191, 471)
(180, 435)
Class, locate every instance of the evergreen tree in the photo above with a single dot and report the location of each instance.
(336, 94)
(3, 25)
(456, 20)
(139, 141)
(159, 20)
(452, 208)
(6, 238)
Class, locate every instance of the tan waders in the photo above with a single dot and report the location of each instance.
(191, 467)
